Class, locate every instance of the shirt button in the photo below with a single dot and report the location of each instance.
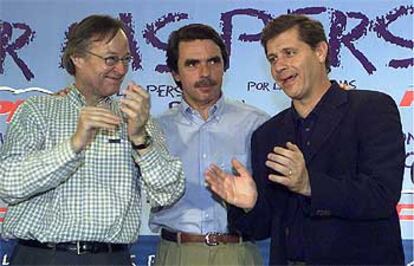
(307, 129)
(307, 143)
(204, 156)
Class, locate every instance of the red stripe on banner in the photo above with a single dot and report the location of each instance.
(401, 208)
(408, 99)
(9, 107)
(1, 219)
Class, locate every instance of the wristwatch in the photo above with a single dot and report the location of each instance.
(147, 142)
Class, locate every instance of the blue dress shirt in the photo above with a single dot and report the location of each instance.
(198, 143)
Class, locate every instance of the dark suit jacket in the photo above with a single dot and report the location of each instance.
(356, 168)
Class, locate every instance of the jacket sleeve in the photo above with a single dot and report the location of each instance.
(373, 189)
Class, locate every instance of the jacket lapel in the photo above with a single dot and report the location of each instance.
(331, 113)
(288, 129)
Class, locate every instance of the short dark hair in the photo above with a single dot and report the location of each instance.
(80, 36)
(193, 32)
(310, 31)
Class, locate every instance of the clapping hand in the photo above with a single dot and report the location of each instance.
(290, 163)
(238, 190)
(135, 106)
(91, 119)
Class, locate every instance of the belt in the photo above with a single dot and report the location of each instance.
(78, 247)
(210, 239)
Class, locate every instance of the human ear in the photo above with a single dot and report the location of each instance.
(77, 60)
(176, 76)
(321, 51)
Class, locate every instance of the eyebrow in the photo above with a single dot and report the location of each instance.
(195, 61)
(214, 58)
(270, 55)
(284, 49)
(111, 53)
(191, 61)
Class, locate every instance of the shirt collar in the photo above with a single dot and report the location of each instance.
(214, 112)
(317, 109)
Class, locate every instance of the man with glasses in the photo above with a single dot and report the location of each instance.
(71, 167)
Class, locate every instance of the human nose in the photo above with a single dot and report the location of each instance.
(121, 67)
(205, 70)
(280, 65)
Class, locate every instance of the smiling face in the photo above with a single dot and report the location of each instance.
(200, 71)
(297, 68)
(93, 77)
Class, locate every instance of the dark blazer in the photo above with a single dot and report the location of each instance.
(356, 169)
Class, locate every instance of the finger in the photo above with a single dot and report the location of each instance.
(213, 181)
(65, 92)
(103, 125)
(211, 178)
(132, 95)
(280, 180)
(98, 120)
(275, 166)
(136, 104)
(102, 115)
(282, 151)
(217, 172)
(103, 118)
(240, 168)
(110, 120)
(292, 146)
(285, 170)
(97, 109)
(345, 86)
(217, 185)
(217, 189)
(139, 117)
(297, 155)
(62, 93)
(283, 160)
(138, 93)
(130, 114)
(136, 89)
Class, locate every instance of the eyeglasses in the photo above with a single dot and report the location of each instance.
(113, 60)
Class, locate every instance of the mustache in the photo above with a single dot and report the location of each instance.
(205, 82)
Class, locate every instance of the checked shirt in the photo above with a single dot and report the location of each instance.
(56, 195)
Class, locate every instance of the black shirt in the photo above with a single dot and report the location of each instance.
(298, 208)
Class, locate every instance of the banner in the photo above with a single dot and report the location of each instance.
(371, 47)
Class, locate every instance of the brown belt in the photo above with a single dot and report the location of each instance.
(211, 239)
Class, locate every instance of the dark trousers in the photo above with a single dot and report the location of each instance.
(24, 255)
